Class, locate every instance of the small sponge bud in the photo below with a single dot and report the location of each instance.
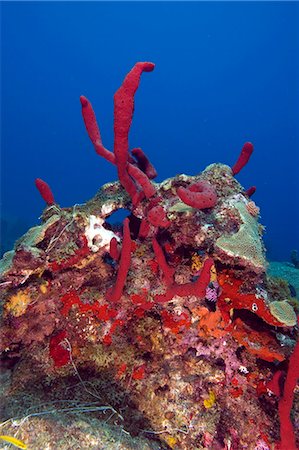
(45, 191)
(244, 157)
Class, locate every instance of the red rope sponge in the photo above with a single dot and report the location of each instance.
(157, 217)
(244, 157)
(123, 114)
(114, 294)
(144, 163)
(287, 435)
(45, 191)
(142, 179)
(199, 195)
(250, 191)
(197, 288)
(132, 173)
(93, 130)
(168, 271)
(114, 250)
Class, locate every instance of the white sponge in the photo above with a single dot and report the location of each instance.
(97, 236)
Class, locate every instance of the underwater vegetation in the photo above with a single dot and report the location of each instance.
(191, 341)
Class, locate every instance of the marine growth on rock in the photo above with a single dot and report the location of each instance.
(171, 314)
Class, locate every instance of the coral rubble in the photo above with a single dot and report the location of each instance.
(172, 314)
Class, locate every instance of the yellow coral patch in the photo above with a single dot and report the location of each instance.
(210, 401)
(196, 262)
(213, 273)
(43, 288)
(171, 441)
(17, 304)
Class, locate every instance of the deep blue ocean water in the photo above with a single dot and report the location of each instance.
(225, 73)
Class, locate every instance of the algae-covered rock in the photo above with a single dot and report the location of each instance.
(6, 262)
(286, 271)
(244, 246)
(283, 312)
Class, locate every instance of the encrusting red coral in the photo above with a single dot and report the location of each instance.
(232, 297)
(260, 344)
(157, 217)
(138, 373)
(210, 324)
(80, 253)
(175, 322)
(58, 352)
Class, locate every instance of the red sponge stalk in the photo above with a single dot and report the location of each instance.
(250, 191)
(123, 114)
(115, 293)
(287, 435)
(244, 157)
(144, 163)
(93, 130)
(197, 288)
(131, 177)
(45, 191)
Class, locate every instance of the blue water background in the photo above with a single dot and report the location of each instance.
(225, 73)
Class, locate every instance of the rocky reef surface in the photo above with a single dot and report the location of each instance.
(285, 271)
(165, 331)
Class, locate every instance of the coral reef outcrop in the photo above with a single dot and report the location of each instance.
(169, 322)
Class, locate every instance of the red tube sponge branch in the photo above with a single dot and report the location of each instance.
(244, 157)
(250, 191)
(287, 435)
(197, 288)
(93, 131)
(114, 250)
(114, 294)
(144, 163)
(168, 272)
(123, 114)
(157, 217)
(142, 179)
(45, 191)
(130, 176)
(199, 195)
